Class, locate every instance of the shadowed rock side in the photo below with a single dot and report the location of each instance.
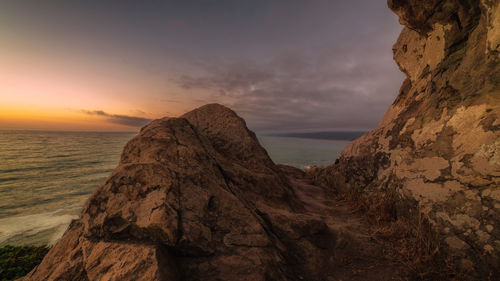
(197, 198)
(438, 145)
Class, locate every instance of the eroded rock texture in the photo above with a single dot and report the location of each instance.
(439, 143)
(197, 198)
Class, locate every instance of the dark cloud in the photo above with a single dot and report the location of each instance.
(333, 89)
(232, 78)
(126, 120)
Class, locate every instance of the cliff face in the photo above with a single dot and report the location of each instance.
(438, 145)
(197, 198)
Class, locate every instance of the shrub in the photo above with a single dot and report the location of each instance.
(17, 261)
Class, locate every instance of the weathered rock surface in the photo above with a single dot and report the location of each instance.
(438, 145)
(197, 198)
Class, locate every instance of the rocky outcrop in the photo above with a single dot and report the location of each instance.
(197, 198)
(438, 145)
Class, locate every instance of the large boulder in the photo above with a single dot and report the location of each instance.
(193, 198)
(438, 146)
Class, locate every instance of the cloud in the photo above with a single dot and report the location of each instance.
(126, 120)
(337, 88)
(230, 79)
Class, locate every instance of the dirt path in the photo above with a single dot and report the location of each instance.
(357, 255)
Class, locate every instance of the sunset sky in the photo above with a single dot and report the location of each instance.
(283, 65)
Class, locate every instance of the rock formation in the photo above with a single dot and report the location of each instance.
(438, 146)
(197, 198)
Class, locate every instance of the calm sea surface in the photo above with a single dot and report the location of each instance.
(45, 177)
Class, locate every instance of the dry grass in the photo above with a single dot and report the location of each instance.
(409, 241)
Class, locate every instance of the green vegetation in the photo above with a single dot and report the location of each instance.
(17, 261)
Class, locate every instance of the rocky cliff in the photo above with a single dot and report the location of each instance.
(438, 146)
(198, 198)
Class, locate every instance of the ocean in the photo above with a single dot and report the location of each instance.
(45, 177)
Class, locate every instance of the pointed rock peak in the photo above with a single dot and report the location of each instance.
(216, 118)
(228, 134)
(213, 107)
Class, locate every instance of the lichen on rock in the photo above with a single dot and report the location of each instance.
(440, 137)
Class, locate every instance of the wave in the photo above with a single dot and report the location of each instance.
(36, 229)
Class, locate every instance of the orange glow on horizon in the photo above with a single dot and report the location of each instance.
(48, 89)
(32, 97)
(55, 119)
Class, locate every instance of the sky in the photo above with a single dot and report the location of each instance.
(113, 65)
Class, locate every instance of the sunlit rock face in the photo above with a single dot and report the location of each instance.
(439, 143)
(193, 198)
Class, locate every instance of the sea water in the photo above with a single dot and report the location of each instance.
(45, 177)
(302, 152)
